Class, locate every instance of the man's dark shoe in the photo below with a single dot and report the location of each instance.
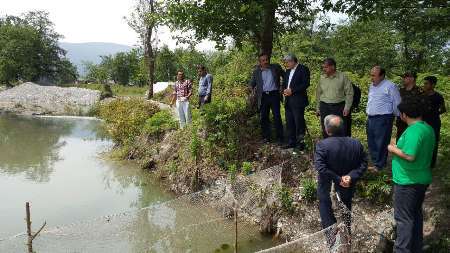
(266, 140)
(280, 141)
(288, 146)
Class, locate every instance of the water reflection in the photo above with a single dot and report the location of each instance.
(30, 146)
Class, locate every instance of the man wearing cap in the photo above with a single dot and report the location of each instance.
(382, 103)
(334, 95)
(295, 83)
(266, 81)
(408, 91)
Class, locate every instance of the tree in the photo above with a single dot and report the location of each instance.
(419, 24)
(259, 21)
(145, 19)
(359, 45)
(165, 65)
(29, 49)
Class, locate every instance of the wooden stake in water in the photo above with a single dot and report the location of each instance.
(235, 229)
(31, 236)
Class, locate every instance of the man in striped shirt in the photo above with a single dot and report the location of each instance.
(182, 92)
(384, 98)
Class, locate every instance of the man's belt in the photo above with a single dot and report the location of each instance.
(271, 92)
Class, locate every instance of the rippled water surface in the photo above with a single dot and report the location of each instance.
(92, 204)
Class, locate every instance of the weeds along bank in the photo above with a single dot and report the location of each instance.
(224, 142)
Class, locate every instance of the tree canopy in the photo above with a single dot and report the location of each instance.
(259, 21)
(29, 50)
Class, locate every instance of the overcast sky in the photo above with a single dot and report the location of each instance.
(92, 20)
(87, 20)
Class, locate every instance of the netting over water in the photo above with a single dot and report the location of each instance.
(199, 222)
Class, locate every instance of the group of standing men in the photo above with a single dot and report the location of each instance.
(270, 90)
(183, 92)
(342, 159)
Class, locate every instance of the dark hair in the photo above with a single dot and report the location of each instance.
(431, 79)
(201, 67)
(262, 54)
(180, 70)
(412, 107)
(330, 61)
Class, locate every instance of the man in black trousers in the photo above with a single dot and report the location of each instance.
(266, 81)
(295, 82)
(341, 160)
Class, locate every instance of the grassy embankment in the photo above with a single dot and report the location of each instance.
(224, 139)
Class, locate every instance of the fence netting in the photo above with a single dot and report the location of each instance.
(200, 222)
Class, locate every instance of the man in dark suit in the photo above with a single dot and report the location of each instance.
(266, 81)
(295, 82)
(341, 160)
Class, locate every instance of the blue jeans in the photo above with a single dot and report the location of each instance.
(408, 200)
(379, 130)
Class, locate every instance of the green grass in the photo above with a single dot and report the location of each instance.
(118, 90)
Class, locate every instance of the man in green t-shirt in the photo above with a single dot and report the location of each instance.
(411, 175)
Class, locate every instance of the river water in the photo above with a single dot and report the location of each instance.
(92, 204)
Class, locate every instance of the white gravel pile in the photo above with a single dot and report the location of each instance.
(30, 98)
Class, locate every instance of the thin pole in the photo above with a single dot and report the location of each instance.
(235, 229)
(28, 219)
(31, 236)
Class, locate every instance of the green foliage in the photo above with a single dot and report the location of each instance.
(106, 91)
(418, 25)
(122, 68)
(172, 167)
(309, 189)
(232, 171)
(125, 118)
(29, 50)
(286, 198)
(376, 187)
(195, 145)
(241, 20)
(160, 123)
(222, 141)
(246, 168)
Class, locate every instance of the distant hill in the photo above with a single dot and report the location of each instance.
(90, 51)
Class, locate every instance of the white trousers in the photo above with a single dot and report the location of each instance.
(184, 112)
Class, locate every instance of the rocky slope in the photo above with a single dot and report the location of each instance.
(33, 99)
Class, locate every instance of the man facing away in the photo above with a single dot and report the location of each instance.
(382, 103)
(181, 94)
(204, 86)
(411, 175)
(295, 83)
(334, 95)
(266, 81)
(340, 160)
(408, 91)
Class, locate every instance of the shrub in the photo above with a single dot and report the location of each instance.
(309, 189)
(195, 145)
(246, 168)
(160, 123)
(286, 198)
(376, 187)
(125, 118)
(232, 170)
(226, 124)
(106, 91)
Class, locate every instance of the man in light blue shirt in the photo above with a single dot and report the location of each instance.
(265, 82)
(384, 98)
(204, 86)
